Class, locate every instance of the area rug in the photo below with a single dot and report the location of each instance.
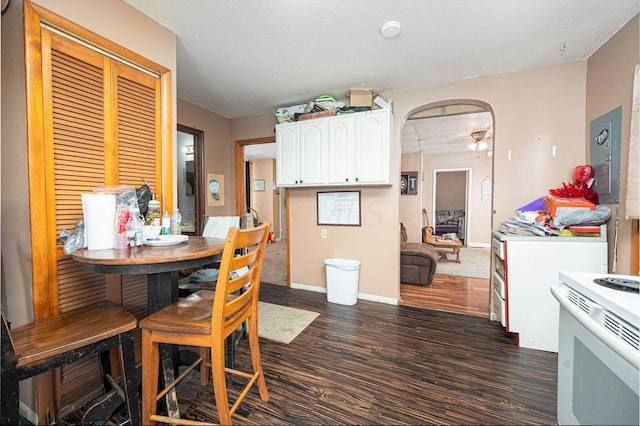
(282, 323)
(474, 263)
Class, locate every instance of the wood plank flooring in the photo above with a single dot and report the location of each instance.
(450, 294)
(373, 363)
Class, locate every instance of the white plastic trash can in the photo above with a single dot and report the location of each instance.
(342, 280)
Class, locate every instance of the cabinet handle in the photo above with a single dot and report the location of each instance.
(357, 179)
(346, 179)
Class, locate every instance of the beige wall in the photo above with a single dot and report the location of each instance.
(264, 202)
(218, 151)
(609, 85)
(534, 110)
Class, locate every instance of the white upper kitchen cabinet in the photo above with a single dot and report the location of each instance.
(372, 147)
(342, 150)
(345, 150)
(301, 153)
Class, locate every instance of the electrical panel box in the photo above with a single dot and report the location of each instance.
(605, 138)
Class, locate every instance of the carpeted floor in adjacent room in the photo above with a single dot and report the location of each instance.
(274, 266)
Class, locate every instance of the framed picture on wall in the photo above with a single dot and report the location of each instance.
(258, 185)
(339, 208)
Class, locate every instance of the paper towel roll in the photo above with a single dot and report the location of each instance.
(99, 220)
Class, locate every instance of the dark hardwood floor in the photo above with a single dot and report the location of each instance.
(373, 363)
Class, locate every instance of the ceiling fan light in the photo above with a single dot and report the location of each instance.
(482, 145)
(472, 146)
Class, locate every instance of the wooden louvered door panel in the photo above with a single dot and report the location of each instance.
(139, 145)
(102, 128)
(75, 150)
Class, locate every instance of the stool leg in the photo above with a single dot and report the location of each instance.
(150, 371)
(129, 376)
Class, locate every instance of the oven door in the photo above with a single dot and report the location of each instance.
(595, 384)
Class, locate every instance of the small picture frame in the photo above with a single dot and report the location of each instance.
(258, 185)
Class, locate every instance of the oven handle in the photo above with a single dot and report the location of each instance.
(631, 356)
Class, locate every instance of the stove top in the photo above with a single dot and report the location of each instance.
(621, 284)
(605, 289)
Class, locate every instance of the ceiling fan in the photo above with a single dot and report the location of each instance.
(479, 136)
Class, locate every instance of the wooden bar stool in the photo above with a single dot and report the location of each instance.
(42, 345)
(205, 319)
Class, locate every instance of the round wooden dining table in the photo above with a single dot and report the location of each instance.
(161, 264)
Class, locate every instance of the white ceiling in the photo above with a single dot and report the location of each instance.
(242, 58)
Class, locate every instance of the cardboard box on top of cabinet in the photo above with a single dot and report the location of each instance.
(360, 97)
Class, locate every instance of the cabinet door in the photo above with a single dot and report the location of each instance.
(342, 150)
(372, 147)
(532, 268)
(313, 152)
(288, 165)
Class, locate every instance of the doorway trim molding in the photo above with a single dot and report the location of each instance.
(198, 160)
(241, 193)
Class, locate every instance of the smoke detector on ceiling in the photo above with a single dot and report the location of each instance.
(390, 29)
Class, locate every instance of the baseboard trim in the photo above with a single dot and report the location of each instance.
(363, 296)
(480, 245)
(28, 413)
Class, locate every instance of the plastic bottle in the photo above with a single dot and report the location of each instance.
(166, 223)
(176, 220)
(153, 212)
(134, 229)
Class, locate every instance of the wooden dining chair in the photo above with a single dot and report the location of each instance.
(205, 278)
(205, 319)
(48, 343)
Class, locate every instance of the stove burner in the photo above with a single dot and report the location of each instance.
(623, 284)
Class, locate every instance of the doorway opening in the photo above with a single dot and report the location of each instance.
(190, 177)
(450, 144)
(257, 195)
(450, 201)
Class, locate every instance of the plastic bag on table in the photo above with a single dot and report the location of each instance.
(72, 240)
(599, 215)
(144, 195)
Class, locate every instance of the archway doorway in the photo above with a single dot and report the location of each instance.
(455, 135)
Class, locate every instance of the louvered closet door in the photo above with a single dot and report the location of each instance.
(137, 105)
(101, 128)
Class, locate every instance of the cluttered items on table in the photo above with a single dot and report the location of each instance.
(571, 210)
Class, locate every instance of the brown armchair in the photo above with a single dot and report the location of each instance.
(418, 261)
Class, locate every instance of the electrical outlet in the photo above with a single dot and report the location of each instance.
(323, 233)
